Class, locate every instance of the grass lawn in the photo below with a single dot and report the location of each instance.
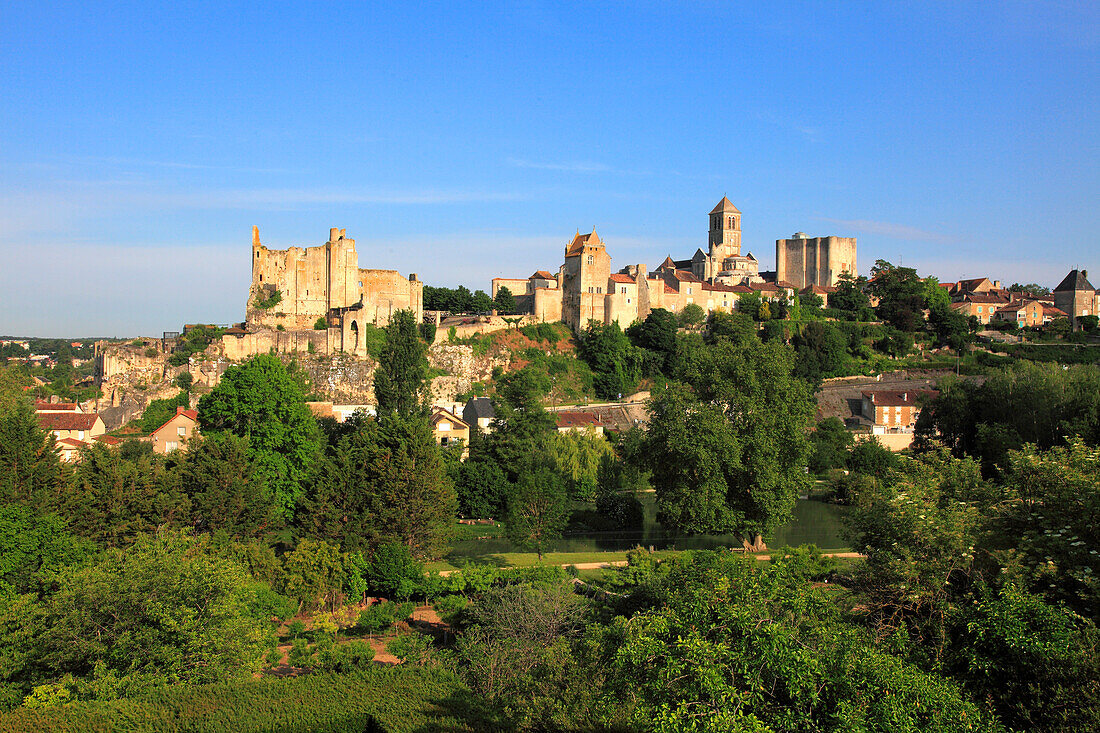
(526, 559)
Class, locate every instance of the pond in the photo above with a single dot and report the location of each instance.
(814, 522)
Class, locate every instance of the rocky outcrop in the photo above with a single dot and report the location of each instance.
(463, 367)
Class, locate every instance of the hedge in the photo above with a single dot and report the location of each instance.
(391, 699)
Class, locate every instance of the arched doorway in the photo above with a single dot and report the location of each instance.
(354, 337)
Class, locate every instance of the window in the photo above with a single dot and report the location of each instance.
(591, 259)
(689, 290)
(628, 301)
(181, 431)
(444, 426)
(590, 289)
(80, 435)
(360, 283)
(979, 309)
(624, 291)
(599, 289)
(171, 446)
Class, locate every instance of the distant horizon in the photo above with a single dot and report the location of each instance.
(958, 139)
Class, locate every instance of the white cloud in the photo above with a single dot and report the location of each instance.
(891, 229)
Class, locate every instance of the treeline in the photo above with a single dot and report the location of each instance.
(461, 300)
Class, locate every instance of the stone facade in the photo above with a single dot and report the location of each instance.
(803, 260)
(1076, 296)
(585, 288)
(326, 282)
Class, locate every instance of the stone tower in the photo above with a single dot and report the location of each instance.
(803, 260)
(725, 236)
(585, 276)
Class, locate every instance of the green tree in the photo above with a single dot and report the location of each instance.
(317, 574)
(320, 324)
(113, 500)
(901, 295)
(821, 350)
(729, 454)
(723, 643)
(504, 301)
(225, 492)
(34, 548)
(692, 316)
(831, 443)
(399, 380)
(538, 508)
(158, 412)
(733, 327)
(260, 400)
(615, 362)
(480, 486)
(576, 457)
(30, 470)
(384, 482)
(159, 609)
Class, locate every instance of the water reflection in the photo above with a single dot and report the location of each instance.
(814, 522)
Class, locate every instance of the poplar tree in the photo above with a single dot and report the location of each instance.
(402, 371)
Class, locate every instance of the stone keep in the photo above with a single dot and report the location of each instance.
(804, 261)
(326, 282)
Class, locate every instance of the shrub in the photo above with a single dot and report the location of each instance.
(427, 332)
(300, 654)
(152, 352)
(269, 302)
(320, 324)
(449, 606)
(393, 572)
(296, 629)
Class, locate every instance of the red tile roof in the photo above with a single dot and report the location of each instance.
(722, 288)
(983, 298)
(73, 443)
(669, 289)
(622, 277)
(66, 420)
(541, 275)
(47, 406)
(107, 439)
(193, 415)
(686, 276)
(898, 397)
(577, 419)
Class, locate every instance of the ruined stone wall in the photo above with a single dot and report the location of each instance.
(463, 368)
(239, 348)
(314, 281)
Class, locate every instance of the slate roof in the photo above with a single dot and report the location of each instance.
(478, 408)
(1075, 280)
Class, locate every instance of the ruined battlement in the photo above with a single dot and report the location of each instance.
(325, 281)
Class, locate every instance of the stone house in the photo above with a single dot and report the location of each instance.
(894, 411)
(1076, 297)
(479, 413)
(980, 305)
(579, 421)
(176, 432)
(448, 428)
(1024, 313)
(73, 425)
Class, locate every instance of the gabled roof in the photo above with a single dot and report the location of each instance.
(440, 414)
(1049, 310)
(722, 288)
(107, 439)
(683, 264)
(72, 443)
(541, 275)
(898, 397)
(621, 277)
(66, 420)
(47, 406)
(984, 298)
(580, 241)
(1075, 280)
(699, 256)
(192, 415)
(577, 419)
(686, 276)
(478, 408)
(669, 264)
(725, 205)
(669, 289)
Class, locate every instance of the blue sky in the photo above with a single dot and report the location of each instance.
(139, 142)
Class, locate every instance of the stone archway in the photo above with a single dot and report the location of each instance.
(354, 332)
